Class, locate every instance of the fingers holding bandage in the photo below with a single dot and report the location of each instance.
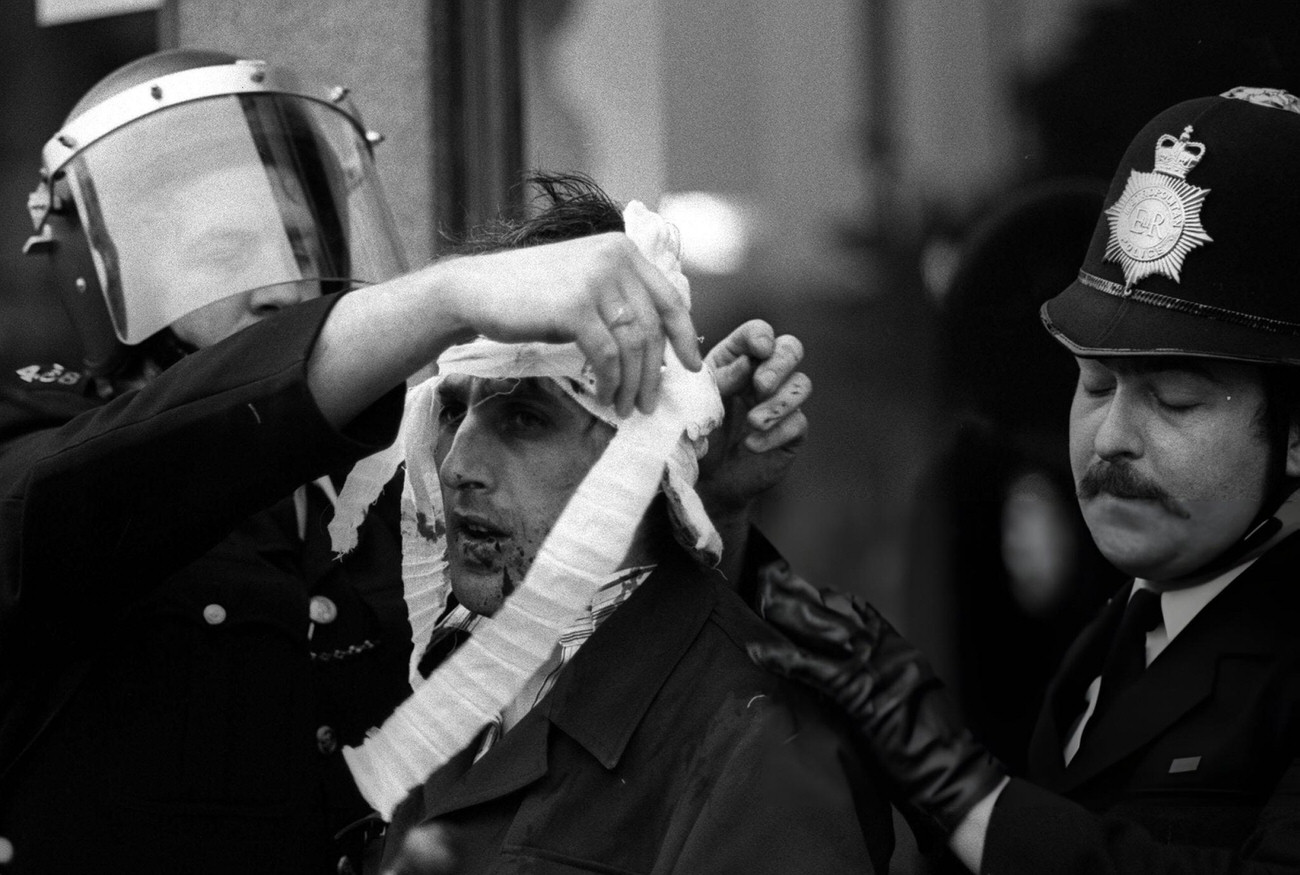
(636, 333)
(600, 292)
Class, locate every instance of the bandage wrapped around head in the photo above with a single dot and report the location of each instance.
(648, 454)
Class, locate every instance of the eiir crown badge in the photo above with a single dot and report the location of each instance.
(1157, 220)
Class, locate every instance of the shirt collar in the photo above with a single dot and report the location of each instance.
(610, 595)
(1179, 606)
(601, 697)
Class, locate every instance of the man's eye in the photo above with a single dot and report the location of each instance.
(450, 413)
(1095, 388)
(525, 419)
(1177, 401)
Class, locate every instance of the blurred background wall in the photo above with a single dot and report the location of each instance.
(898, 182)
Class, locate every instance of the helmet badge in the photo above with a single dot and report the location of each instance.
(1157, 220)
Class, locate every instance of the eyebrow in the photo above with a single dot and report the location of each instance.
(1155, 366)
(496, 387)
(1194, 368)
(451, 391)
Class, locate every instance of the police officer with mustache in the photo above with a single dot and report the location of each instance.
(1169, 739)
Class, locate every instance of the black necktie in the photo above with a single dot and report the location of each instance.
(1127, 657)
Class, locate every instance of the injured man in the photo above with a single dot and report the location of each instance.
(584, 700)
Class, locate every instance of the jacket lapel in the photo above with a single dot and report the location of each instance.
(1238, 622)
(602, 695)
(1064, 699)
(513, 763)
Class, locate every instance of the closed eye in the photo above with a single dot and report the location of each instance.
(1176, 402)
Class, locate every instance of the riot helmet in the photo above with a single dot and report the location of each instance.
(190, 176)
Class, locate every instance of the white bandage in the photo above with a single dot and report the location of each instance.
(483, 676)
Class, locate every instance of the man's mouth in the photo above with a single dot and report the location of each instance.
(478, 540)
(1122, 483)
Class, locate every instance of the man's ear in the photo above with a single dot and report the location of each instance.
(1293, 449)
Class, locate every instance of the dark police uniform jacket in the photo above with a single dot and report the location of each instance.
(166, 703)
(1194, 768)
(663, 748)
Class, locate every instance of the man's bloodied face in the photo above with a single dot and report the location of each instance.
(1168, 457)
(510, 453)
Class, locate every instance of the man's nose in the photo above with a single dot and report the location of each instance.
(466, 465)
(1119, 434)
(269, 300)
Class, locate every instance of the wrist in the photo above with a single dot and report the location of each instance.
(967, 840)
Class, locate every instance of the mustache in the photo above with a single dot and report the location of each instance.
(1122, 481)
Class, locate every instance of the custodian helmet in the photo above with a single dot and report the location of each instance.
(1198, 250)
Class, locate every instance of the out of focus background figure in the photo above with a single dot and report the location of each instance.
(1000, 570)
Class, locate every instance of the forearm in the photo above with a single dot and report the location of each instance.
(378, 336)
(151, 479)
(575, 290)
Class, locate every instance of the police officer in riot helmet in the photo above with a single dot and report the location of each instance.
(1169, 739)
(154, 205)
(182, 656)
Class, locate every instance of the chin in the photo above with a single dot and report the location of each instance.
(477, 590)
(1133, 551)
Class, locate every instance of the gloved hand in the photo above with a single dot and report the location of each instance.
(846, 650)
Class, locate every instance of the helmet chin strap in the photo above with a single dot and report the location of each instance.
(1265, 525)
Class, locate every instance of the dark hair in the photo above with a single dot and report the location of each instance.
(572, 206)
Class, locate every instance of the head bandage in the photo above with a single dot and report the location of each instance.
(647, 453)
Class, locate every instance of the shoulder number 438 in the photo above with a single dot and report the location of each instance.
(53, 374)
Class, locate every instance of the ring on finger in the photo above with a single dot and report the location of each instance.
(621, 318)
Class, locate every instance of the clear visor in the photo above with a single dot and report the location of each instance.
(225, 196)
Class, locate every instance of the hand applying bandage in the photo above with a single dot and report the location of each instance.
(846, 650)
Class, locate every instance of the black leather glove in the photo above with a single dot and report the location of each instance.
(846, 650)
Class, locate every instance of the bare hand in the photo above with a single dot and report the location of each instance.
(426, 850)
(765, 423)
(598, 291)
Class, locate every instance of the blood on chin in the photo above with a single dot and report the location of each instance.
(482, 573)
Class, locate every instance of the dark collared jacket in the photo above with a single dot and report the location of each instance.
(1193, 768)
(662, 748)
(166, 704)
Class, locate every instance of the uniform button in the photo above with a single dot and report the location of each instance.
(326, 741)
(214, 614)
(322, 610)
